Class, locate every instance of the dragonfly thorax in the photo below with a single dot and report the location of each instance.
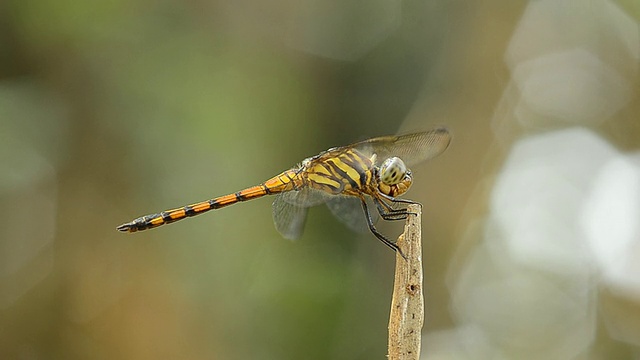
(394, 178)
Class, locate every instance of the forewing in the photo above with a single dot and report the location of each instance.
(349, 211)
(411, 148)
(288, 218)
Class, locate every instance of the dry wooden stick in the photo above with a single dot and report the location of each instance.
(407, 304)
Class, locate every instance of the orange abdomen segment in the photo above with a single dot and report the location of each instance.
(283, 182)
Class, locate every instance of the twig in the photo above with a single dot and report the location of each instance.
(407, 304)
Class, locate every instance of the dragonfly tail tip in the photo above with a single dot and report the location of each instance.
(124, 227)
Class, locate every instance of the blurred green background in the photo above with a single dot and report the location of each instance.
(110, 110)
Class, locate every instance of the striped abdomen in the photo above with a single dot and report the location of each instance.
(283, 182)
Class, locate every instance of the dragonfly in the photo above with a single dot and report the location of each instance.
(351, 180)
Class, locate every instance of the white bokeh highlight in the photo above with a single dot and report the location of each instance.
(570, 64)
(538, 197)
(529, 287)
(573, 86)
(562, 225)
(611, 219)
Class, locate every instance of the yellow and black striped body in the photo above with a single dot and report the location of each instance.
(339, 172)
(285, 181)
(347, 171)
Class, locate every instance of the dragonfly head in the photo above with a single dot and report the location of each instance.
(394, 177)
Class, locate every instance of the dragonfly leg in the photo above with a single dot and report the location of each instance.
(387, 212)
(375, 231)
(396, 201)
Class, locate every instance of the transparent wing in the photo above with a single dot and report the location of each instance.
(411, 148)
(288, 218)
(348, 209)
(305, 197)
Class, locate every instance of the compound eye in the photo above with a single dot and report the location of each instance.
(392, 171)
